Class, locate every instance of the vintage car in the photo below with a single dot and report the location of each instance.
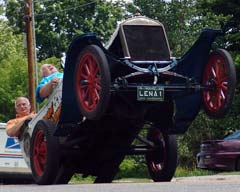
(110, 93)
(220, 155)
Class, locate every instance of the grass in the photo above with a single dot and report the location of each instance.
(131, 171)
(141, 175)
(188, 172)
(77, 178)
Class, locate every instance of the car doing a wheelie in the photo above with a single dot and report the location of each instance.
(110, 93)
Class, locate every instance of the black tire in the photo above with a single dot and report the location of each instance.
(162, 162)
(92, 78)
(220, 75)
(104, 179)
(64, 175)
(44, 153)
(237, 166)
(109, 174)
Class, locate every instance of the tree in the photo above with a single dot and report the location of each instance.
(231, 10)
(13, 70)
(183, 20)
(58, 22)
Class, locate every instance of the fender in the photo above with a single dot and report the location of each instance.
(187, 107)
(70, 113)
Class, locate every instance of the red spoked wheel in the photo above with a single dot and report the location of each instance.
(162, 160)
(219, 78)
(44, 153)
(39, 153)
(92, 82)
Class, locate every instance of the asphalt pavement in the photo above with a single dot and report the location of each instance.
(208, 178)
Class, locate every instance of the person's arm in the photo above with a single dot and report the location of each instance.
(47, 89)
(13, 126)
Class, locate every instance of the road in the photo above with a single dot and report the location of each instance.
(197, 184)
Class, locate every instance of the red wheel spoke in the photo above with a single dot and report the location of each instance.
(224, 84)
(223, 95)
(93, 98)
(98, 86)
(84, 87)
(217, 70)
(90, 84)
(211, 104)
(85, 92)
(221, 99)
(40, 153)
(97, 97)
(216, 76)
(218, 100)
(91, 65)
(86, 68)
(214, 99)
(83, 76)
(96, 71)
(208, 96)
(153, 167)
(43, 152)
(213, 71)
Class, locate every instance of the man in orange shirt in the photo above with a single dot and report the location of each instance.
(22, 107)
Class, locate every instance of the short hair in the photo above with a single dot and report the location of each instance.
(28, 102)
(41, 69)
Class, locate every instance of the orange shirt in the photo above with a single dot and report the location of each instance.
(12, 122)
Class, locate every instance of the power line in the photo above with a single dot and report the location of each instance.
(63, 10)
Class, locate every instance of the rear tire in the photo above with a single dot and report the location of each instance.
(220, 76)
(237, 168)
(44, 153)
(162, 162)
(64, 175)
(108, 178)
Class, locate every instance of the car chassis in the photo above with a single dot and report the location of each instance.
(109, 94)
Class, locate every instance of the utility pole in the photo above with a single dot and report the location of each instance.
(30, 53)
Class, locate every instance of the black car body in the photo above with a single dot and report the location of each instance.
(110, 93)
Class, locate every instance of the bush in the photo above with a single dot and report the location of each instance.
(130, 168)
(204, 128)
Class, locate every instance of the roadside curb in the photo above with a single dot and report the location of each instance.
(208, 178)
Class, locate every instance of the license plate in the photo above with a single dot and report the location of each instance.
(150, 93)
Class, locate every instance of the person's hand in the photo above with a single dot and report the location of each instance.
(31, 116)
(54, 81)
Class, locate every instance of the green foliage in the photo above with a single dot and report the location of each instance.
(77, 178)
(186, 172)
(58, 22)
(231, 10)
(13, 70)
(183, 21)
(132, 168)
(204, 128)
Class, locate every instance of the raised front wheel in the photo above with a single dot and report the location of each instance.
(92, 82)
(219, 78)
